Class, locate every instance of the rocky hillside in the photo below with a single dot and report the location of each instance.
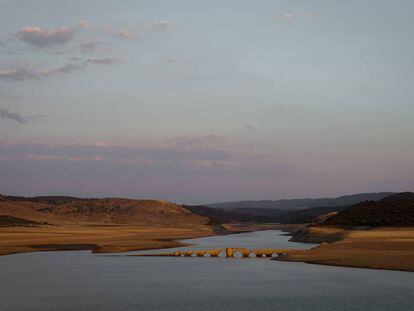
(127, 211)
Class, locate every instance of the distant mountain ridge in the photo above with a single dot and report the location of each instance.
(220, 215)
(291, 204)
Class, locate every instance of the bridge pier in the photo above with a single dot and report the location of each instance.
(229, 252)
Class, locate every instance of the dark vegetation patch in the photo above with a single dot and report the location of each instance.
(308, 215)
(63, 247)
(10, 221)
(220, 216)
(396, 210)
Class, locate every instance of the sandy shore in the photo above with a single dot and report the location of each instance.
(390, 248)
(95, 238)
(109, 239)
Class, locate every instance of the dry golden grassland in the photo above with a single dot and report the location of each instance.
(106, 238)
(96, 238)
(376, 248)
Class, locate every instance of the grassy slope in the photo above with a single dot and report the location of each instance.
(112, 211)
(105, 225)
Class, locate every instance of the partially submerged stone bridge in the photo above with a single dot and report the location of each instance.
(225, 252)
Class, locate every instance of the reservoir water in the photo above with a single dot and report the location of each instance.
(82, 281)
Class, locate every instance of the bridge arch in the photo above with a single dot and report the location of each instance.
(237, 254)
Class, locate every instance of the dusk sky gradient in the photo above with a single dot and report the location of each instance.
(204, 101)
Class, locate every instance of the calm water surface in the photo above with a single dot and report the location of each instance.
(84, 281)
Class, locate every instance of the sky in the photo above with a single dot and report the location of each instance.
(204, 101)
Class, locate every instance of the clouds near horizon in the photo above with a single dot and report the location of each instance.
(194, 174)
(206, 100)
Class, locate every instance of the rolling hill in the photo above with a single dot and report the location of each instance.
(395, 210)
(100, 211)
(67, 210)
(127, 211)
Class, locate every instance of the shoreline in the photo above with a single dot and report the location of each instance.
(384, 248)
(111, 239)
(95, 239)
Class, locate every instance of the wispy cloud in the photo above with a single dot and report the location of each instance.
(191, 140)
(18, 74)
(291, 16)
(7, 114)
(66, 69)
(171, 156)
(163, 24)
(211, 165)
(283, 17)
(102, 61)
(127, 34)
(40, 37)
(249, 127)
(89, 45)
(69, 68)
(21, 74)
